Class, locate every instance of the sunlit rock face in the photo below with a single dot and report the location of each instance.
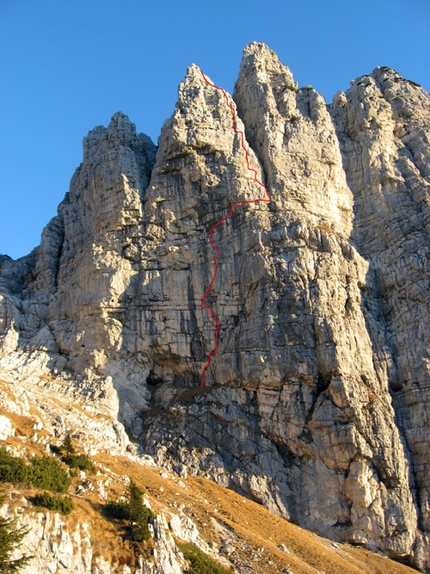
(316, 401)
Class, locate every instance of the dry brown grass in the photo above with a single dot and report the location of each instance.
(255, 526)
(325, 228)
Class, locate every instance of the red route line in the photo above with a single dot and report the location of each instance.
(229, 216)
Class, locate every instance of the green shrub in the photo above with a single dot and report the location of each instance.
(119, 509)
(42, 472)
(61, 504)
(13, 469)
(200, 563)
(79, 461)
(134, 511)
(67, 445)
(139, 514)
(48, 474)
(10, 539)
(68, 455)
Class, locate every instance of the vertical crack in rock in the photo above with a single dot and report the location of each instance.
(200, 172)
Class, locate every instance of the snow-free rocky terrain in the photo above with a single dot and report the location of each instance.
(316, 404)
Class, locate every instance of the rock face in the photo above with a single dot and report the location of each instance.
(317, 400)
(54, 547)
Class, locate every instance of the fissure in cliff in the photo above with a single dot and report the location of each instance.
(266, 199)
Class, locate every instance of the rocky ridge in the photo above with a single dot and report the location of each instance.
(316, 403)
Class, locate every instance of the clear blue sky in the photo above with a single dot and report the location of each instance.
(69, 65)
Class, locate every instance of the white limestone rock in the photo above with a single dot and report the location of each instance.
(316, 402)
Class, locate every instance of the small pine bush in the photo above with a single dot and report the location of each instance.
(200, 563)
(48, 474)
(67, 445)
(42, 472)
(119, 509)
(79, 461)
(13, 469)
(74, 461)
(134, 511)
(139, 514)
(10, 539)
(61, 504)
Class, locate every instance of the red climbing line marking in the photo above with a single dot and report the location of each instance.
(229, 216)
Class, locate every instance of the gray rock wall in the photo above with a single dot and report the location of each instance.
(316, 402)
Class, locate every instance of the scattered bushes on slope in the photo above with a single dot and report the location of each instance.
(79, 462)
(41, 472)
(13, 469)
(67, 445)
(139, 514)
(120, 509)
(69, 456)
(200, 563)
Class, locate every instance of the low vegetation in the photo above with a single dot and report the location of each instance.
(48, 474)
(13, 469)
(10, 540)
(40, 472)
(61, 504)
(45, 473)
(74, 461)
(200, 563)
(118, 509)
(79, 462)
(134, 512)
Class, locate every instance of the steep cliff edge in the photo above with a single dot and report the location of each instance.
(383, 123)
(316, 403)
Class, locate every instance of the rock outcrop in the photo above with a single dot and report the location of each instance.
(37, 413)
(317, 401)
(55, 547)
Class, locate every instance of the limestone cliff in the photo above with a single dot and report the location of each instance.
(317, 401)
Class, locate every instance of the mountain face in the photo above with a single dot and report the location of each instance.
(317, 400)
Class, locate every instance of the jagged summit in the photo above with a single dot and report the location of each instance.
(316, 403)
(194, 75)
(120, 133)
(257, 58)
